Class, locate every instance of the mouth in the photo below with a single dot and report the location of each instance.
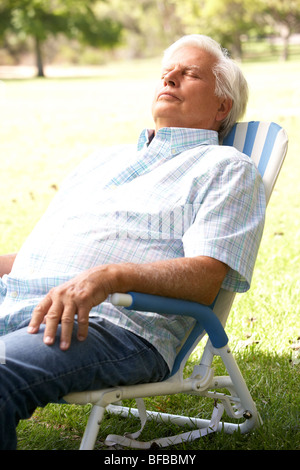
(166, 95)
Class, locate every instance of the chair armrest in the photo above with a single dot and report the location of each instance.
(154, 303)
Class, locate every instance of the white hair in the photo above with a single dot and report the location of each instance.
(230, 81)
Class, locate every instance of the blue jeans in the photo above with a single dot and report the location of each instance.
(35, 374)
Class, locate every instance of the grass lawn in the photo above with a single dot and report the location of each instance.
(49, 125)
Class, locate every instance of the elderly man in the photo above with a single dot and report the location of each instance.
(179, 216)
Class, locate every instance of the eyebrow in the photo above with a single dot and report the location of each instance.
(196, 68)
(192, 67)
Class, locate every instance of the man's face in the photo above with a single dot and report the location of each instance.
(185, 95)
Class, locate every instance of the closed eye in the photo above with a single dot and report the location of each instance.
(193, 71)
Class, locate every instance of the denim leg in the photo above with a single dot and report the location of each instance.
(35, 374)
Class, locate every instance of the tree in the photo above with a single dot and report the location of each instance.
(228, 20)
(225, 20)
(40, 18)
(149, 25)
(284, 17)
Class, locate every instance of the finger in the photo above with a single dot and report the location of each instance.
(53, 318)
(39, 314)
(83, 323)
(67, 324)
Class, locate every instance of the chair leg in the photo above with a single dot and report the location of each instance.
(251, 414)
(92, 428)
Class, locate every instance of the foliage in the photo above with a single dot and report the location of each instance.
(41, 18)
(229, 20)
(284, 18)
(149, 25)
(225, 20)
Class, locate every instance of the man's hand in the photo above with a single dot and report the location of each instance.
(74, 298)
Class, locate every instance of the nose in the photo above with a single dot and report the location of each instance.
(171, 78)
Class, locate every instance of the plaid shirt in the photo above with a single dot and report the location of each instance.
(179, 194)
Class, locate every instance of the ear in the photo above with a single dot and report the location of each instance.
(224, 109)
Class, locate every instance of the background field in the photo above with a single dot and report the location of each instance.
(49, 125)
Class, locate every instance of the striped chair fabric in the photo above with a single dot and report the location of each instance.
(265, 143)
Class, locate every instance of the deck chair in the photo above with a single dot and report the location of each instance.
(266, 144)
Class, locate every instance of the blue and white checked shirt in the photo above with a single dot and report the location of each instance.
(179, 194)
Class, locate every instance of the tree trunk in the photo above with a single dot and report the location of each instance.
(236, 47)
(39, 58)
(285, 33)
(285, 49)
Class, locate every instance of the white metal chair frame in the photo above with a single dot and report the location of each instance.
(266, 144)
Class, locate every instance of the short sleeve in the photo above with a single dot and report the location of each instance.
(229, 222)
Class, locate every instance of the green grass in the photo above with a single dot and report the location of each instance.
(48, 126)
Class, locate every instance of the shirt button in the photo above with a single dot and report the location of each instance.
(14, 294)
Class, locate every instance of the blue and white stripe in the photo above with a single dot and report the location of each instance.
(265, 143)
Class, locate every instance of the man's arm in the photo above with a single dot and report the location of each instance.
(6, 263)
(198, 279)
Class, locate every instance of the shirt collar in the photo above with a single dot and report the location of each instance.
(179, 138)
